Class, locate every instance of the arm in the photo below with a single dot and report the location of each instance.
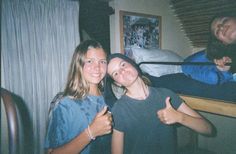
(190, 118)
(185, 116)
(117, 142)
(101, 125)
(73, 147)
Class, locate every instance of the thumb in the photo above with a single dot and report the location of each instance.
(102, 112)
(168, 104)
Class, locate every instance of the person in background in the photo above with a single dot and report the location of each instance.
(144, 116)
(223, 28)
(80, 117)
(222, 43)
(209, 74)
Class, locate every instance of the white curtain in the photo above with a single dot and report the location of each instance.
(38, 38)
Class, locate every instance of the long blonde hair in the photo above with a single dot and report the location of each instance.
(76, 86)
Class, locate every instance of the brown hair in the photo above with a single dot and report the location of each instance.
(76, 86)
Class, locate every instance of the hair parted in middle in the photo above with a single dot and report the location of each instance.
(76, 86)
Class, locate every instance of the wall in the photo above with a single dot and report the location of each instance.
(172, 38)
(225, 140)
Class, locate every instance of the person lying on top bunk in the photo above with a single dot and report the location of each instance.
(223, 34)
(222, 43)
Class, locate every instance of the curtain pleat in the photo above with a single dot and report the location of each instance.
(38, 38)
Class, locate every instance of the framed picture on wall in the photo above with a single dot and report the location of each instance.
(140, 30)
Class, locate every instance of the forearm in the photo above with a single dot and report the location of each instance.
(73, 147)
(192, 119)
(117, 142)
(198, 124)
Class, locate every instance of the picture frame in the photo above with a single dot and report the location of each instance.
(137, 29)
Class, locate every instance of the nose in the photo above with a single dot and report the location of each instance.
(122, 70)
(96, 65)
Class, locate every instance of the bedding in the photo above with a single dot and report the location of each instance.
(205, 73)
(182, 84)
(141, 55)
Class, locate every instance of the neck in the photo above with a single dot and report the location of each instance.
(139, 90)
(94, 91)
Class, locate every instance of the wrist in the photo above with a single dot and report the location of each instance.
(89, 133)
(180, 117)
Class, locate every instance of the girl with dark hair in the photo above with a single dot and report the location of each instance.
(144, 115)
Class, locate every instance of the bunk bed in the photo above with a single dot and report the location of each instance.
(215, 99)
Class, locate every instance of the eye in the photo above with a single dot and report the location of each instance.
(88, 61)
(103, 62)
(123, 64)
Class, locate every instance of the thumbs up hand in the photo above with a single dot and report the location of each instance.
(102, 123)
(168, 115)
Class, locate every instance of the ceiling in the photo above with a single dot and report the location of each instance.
(195, 16)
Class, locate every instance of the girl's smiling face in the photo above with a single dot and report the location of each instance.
(95, 66)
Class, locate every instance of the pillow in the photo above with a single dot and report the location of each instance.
(157, 55)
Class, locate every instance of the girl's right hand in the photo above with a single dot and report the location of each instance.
(102, 123)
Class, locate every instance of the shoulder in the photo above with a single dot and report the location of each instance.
(163, 93)
(65, 104)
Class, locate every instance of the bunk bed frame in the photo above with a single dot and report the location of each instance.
(224, 108)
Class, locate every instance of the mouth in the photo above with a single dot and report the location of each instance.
(96, 75)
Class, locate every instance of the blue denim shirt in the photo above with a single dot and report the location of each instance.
(69, 118)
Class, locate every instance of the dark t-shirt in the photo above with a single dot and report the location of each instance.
(143, 131)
